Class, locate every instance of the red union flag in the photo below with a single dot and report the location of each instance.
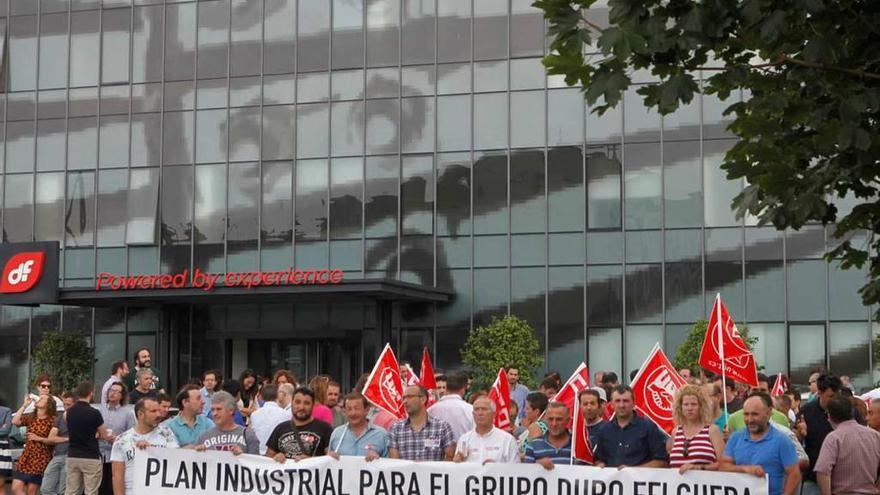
(384, 387)
(413, 379)
(724, 352)
(778, 387)
(427, 371)
(581, 449)
(578, 381)
(500, 395)
(654, 389)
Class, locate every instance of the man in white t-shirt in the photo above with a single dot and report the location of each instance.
(452, 408)
(146, 433)
(485, 443)
(272, 413)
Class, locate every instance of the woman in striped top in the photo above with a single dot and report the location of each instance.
(696, 442)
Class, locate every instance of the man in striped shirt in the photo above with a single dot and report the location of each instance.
(554, 447)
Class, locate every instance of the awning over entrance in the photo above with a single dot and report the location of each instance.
(378, 290)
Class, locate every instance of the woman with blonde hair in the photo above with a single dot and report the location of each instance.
(320, 411)
(696, 442)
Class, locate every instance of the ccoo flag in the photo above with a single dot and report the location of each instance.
(384, 387)
(724, 352)
(578, 381)
(654, 389)
(779, 386)
(500, 395)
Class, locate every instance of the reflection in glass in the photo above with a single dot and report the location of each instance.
(346, 198)
(604, 295)
(143, 207)
(806, 243)
(491, 294)
(417, 194)
(177, 222)
(314, 35)
(684, 123)
(849, 352)
(278, 133)
(311, 87)
(528, 250)
(383, 17)
(765, 287)
(603, 188)
(643, 186)
(383, 126)
(180, 41)
(644, 246)
(380, 203)
(527, 182)
(311, 199)
(243, 222)
(147, 43)
(527, 73)
(527, 118)
(490, 193)
(418, 32)
(114, 135)
(640, 339)
(417, 124)
(51, 144)
(684, 292)
(82, 102)
(605, 128)
(490, 76)
(417, 259)
(53, 50)
(23, 53)
(18, 208)
(725, 277)
(280, 36)
(347, 133)
(844, 299)
(213, 39)
(112, 203)
(807, 286)
(277, 210)
(79, 215)
(642, 123)
(453, 123)
(146, 142)
(490, 29)
(82, 143)
(312, 122)
(177, 138)
(566, 249)
(565, 318)
(211, 128)
(490, 121)
(565, 114)
(244, 42)
(806, 350)
(244, 134)
(19, 146)
(605, 349)
(681, 184)
(453, 30)
(453, 78)
(453, 194)
(717, 189)
(527, 32)
(348, 36)
(643, 283)
(115, 28)
(49, 207)
(527, 298)
(565, 182)
(347, 85)
(491, 250)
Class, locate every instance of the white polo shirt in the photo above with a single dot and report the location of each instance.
(497, 446)
(455, 411)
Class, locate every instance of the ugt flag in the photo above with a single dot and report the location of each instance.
(500, 395)
(581, 447)
(654, 389)
(778, 387)
(578, 381)
(384, 387)
(724, 351)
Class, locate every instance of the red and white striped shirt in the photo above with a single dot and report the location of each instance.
(697, 449)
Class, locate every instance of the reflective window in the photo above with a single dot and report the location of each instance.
(565, 114)
(490, 30)
(116, 26)
(491, 250)
(83, 102)
(380, 203)
(643, 283)
(143, 207)
(348, 35)
(806, 350)
(453, 78)
(277, 210)
(605, 128)
(527, 73)
(51, 144)
(490, 76)
(23, 53)
(714, 122)
(603, 188)
(684, 123)
(639, 339)
(605, 347)
(347, 133)
(213, 39)
(765, 287)
(383, 126)
(180, 41)
(114, 135)
(682, 192)
(53, 50)
(641, 123)
(347, 85)
(18, 208)
(311, 199)
(179, 95)
(314, 35)
(312, 87)
(770, 347)
(243, 220)
(79, 216)
(417, 124)
(528, 296)
(312, 123)
(490, 121)
(453, 194)
(604, 295)
(210, 218)
(807, 286)
(453, 123)
(644, 246)
(146, 97)
(845, 301)
(244, 43)
(22, 105)
(383, 18)
(528, 250)
(717, 189)
(683, 245)
(383, 83)
(849, 352)
(806, 243)
(280, 37)
(490, 193)
(279, 89)
(566, 249)
(526, 32)
(417, 194)
(278, 133)
(527, 118)
(52, 104)
(19, 146)
(418, 31)
(146, 142)
(454, 30)
(346, 198)
(643, 187)
(244, 91)
(527, 197)
(49, 207)
(115, 100)
(177, 138)
(177, 222)
(417, 259)
(82, 143)
(244, 134)
(565, 185)
(604, 247)
(684, 292)
(211, 127)
(112, 206)
(147, 43)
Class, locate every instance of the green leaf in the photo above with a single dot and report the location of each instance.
(507, 340)
(608, 84)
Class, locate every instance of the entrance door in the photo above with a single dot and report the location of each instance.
(306, 358)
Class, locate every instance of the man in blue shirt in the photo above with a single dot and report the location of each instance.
(358, 437)
(554, 447)
(190, 423)
(760, 449)
(518, 391)
(629, 440)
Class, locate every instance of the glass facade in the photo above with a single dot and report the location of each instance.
(417, 140)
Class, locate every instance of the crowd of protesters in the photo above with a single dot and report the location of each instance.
(828, 444)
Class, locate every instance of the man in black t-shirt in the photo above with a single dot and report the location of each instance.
(84, 463)
(302, 436)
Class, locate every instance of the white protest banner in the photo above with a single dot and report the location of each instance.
(185, 472)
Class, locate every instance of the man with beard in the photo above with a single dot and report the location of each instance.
(143, 360)
(226, 435)
(760, 449)
(420, 437)
(357, 436)
(146, 433)
(303, 436)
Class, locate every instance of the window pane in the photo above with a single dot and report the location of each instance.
(211, 127)
(604, 295)
(684, 292)
(643, 186)
(244, 134)
(116, 26)
(80, 215)
(454, 30)
(146, 139)
(453, 194)
(213, 38)
(53, 50)
(143, 207)
(51, 144)
(112, 196)
(603, 189)
(311, 130)
(417, 124)
(180, 41)
(383, 17)
(314, 35)
(417, 194)
(348, 128)
(277, 212)
(527, 73)
(850, 349)
(19, 208)
(311, 199)
(490, 76)
(527, 31)
(846, 303)
(565, 116)
(490, 194)
(718, 190)
(380, 205)
(278, 133)
(417, 259)
(82, 143)
(177, 222)
(565, 184)
(640, 339)
(681, 184)
(765, 287)
(527, 299)
(644, 286)
(49, 207)
(565, 318)
(806, 351)
(383, 126)
(210, 218)
(244, 44)
(807, 287)
(490, 30)
(243, 216)
(348, 35)
(19, 146)
(418, 31)
(769, 350)
(177, 138)
(114, 141)
(606, 349)
(23, 53)
(684, 123)
(527, 118)
(453, 123)
(527, 182)
(147, 43)
(490, 121)
(642, 124)
(280, 25)
(346, 198)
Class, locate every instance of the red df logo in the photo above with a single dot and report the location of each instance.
(22, 272)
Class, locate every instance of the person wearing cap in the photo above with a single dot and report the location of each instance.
(592, 403)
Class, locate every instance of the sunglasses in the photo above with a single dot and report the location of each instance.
(687, 445)
(45, 385)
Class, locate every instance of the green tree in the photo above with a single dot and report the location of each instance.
(66, 357)
(810, 128)
(507, 340)
(688, 353)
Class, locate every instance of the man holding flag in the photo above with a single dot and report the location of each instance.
(554, 447)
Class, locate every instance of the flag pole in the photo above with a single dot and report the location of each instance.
(574, 422)
(717, 308)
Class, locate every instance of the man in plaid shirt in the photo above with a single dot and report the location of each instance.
(420, 437)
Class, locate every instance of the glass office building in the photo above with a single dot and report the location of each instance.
(417, 141)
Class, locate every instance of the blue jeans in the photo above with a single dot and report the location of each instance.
(55, 476)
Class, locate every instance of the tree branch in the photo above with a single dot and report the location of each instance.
(814, 65)
(592, 24)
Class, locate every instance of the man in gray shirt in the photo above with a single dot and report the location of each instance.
(118, 418)
(226, 435)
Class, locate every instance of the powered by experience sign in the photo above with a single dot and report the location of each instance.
(197, 279)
